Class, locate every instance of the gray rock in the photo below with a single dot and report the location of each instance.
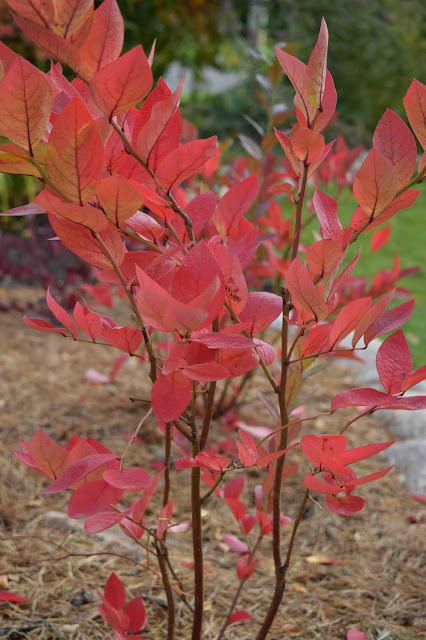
(410, 456)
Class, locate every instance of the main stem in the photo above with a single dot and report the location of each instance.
(197, 544)
(280, 568)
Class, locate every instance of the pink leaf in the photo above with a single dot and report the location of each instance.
(103, 521)
(170, 395)
(326, 209)
(234, 543)
(92, 498)
(389, 321)
(345, 505)
(356, 634)
(394, 362)
(78, 471)
(132, 479)
(164, 519)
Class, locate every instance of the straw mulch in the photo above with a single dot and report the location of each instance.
(365, 571)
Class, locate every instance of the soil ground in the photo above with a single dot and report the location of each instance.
(376, 581)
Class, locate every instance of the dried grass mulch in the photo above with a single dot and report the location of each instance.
(377, 581)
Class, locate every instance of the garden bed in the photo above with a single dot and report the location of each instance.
(363, 571)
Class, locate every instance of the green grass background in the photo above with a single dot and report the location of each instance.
(408, 239)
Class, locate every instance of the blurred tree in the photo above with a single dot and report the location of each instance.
(377, 47)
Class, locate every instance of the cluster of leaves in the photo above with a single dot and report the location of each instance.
(121, 190)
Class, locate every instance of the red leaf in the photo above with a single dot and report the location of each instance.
(122, 83)
(394, 140)
(265, 461)
(200, 211)
(161, 133)
(105, 39)
(370, 317)
(326, 209)
(75, 152)
(394, 362)
(375, 184)
(389, 321)
(114, 592)
(92, 498)
(359, 398)
(126, 339)
(42, 325)
(135, 611)
(206, 372)
(249, 444)
(245, 568)
(119, 198)
(336, 281)
(380, 238)
(132, 479)
(56, 46)
(102, 521)
(164, 519)
(345, 505)
(167, 314)
(87, 216)
(313, 483)
(313, 445)
(184, 162)
(141, 505)
(308, 145)
(322, 256)
(8, 596)
(198, 268)
(221, 340)
(239, 616)
(89, 321)
(69, 16)
(287, 147)
(80, 241)
(415, 378)
(349, 317)
(415, 106)
(61, 315)
(235, 283)
(26, 99)
(369, 478)
(296, 72)
(234, 204)
(234, 488)
(41, 12)
(303, 292)
(170, 395)
(362, 453)
(145, 226)
(45, 453)
(403, 201)
(261, 310)
(78, 471)
(317, 68)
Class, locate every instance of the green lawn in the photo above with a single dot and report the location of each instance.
(408, 239)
